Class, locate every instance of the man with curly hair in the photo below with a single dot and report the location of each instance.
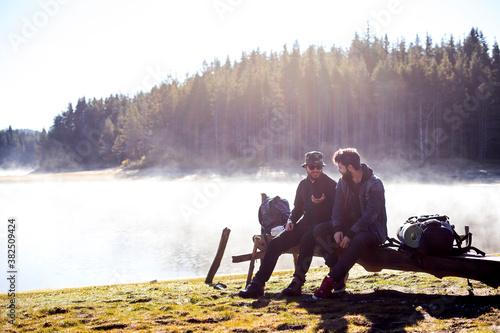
(359, 220)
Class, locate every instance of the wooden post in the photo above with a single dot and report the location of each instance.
(218, 256)
(256, 241)
(467, 236)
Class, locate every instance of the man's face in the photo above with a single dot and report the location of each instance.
(314, 170)
(345, 172)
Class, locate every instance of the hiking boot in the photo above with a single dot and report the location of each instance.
(325, 289)
(340, 287)
(294, 289)
(253, 290)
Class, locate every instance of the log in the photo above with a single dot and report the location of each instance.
(218, 256)
(471, 266)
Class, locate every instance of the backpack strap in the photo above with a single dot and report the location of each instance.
(391, 242)
(458, 250)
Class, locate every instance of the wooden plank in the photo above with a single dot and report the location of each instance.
(260, 255)
(248, 257)
(218, 256)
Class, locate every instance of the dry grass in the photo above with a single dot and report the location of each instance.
(382, 302)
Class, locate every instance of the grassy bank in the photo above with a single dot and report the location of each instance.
(386, 301)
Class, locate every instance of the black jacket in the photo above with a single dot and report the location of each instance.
(371, 201)
(310, 212)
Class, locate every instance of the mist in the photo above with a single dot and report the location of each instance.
(15, 171)
(91, 228)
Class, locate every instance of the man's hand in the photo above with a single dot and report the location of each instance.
(345, 242)
(318, 201)
(289, 226)
(339, 236)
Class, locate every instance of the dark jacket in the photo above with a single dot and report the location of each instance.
(371, 202)
(303, 206)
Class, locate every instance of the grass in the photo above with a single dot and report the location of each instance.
(388, 301)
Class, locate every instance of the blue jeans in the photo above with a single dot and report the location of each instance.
(339, 267)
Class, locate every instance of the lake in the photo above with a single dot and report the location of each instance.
(97, 228)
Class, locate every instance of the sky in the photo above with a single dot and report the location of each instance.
(53, 52)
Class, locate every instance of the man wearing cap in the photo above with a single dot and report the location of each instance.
(313, 205)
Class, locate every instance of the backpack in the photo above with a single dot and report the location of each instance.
(272, 212)
(429, 234)
(437, 238)
(433, 235)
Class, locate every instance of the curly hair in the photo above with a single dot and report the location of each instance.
(347, 156)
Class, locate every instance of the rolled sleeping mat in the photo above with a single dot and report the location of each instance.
(410, 234)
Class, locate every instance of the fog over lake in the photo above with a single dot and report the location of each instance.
(105, 229)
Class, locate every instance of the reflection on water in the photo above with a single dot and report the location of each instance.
(93, 232)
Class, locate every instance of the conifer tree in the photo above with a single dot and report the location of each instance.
(419, 101)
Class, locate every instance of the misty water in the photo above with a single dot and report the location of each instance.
(105, 229)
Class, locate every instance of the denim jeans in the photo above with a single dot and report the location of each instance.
(302, 234)
(339, 267)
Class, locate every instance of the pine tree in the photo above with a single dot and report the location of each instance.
(419, 101)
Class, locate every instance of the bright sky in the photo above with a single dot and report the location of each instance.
(53, 52)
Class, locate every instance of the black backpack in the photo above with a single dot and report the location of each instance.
(272, 213)
(437, 238)
(433, 235)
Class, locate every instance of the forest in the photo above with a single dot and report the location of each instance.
(420, 101)
(18, 148)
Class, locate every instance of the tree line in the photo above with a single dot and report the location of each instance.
(420, 101)
(18, 148)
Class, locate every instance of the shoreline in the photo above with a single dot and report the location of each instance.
(441, 174)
